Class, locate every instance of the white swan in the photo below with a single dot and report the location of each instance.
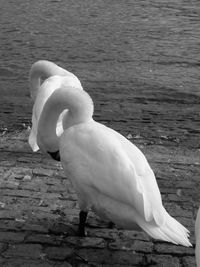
(108, 172)
(45, 77)
(197, 236)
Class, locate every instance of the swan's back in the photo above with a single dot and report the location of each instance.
(115, 166)
(112, 176)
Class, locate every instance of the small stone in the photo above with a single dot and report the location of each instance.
(179, 192)
(42, 256)
(129, 136)
(164, 137)
(42, 203)
(27, 178)
(137, 136)
(4, 131)
(19, 220)
(2, 205)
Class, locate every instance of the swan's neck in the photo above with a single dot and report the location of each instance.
(80, 108)
(40, 71)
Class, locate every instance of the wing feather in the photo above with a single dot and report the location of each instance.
(103, 159)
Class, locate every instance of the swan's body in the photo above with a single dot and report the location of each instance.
(108, 172)
(45, 78)
(197, 235)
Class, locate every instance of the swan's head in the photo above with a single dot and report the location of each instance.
(41, 96)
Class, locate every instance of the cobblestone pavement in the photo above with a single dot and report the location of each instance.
(38, 207)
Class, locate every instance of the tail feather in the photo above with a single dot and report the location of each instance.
(170, 231)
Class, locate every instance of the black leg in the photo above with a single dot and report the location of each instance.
(82, 220)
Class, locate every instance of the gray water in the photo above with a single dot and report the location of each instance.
(122, 44)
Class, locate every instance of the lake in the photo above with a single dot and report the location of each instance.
(130, 56)
(116, 45)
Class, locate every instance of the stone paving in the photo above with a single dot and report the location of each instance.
(38, 207)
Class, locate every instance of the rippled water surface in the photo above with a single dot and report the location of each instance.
(122, 44)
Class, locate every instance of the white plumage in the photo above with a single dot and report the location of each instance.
(108, 172)
(197, 236)
(45, 77)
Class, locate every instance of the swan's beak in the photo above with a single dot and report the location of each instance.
(55, 155)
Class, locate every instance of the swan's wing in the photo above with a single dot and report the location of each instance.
(154, 208)
(97, 157)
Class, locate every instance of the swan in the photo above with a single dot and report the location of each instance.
(45, 77)
(197, 236)
(109, 173)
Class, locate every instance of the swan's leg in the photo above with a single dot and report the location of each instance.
(55, 155)
(82, 221)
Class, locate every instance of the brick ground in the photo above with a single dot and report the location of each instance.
(38, 208)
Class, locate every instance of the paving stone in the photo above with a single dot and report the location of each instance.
(17, 193)
(136, 245)
(86, 242)
(178, 211)
(162, 261)
(58, 253)
(104, 256)
(12, 237)
(7, 214)
(173, 249)
(8, 163)
(31, 227)
(30, 251)
(103, 233)
(25, 263)
(63, 264)
(188, 261)
(61, 228)
(43, 172)
(46, 239)
(3, 247)
(134, 235)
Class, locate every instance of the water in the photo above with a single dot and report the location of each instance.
(117, 45)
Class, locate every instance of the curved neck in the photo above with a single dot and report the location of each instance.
(41, 70)
(80, 108)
